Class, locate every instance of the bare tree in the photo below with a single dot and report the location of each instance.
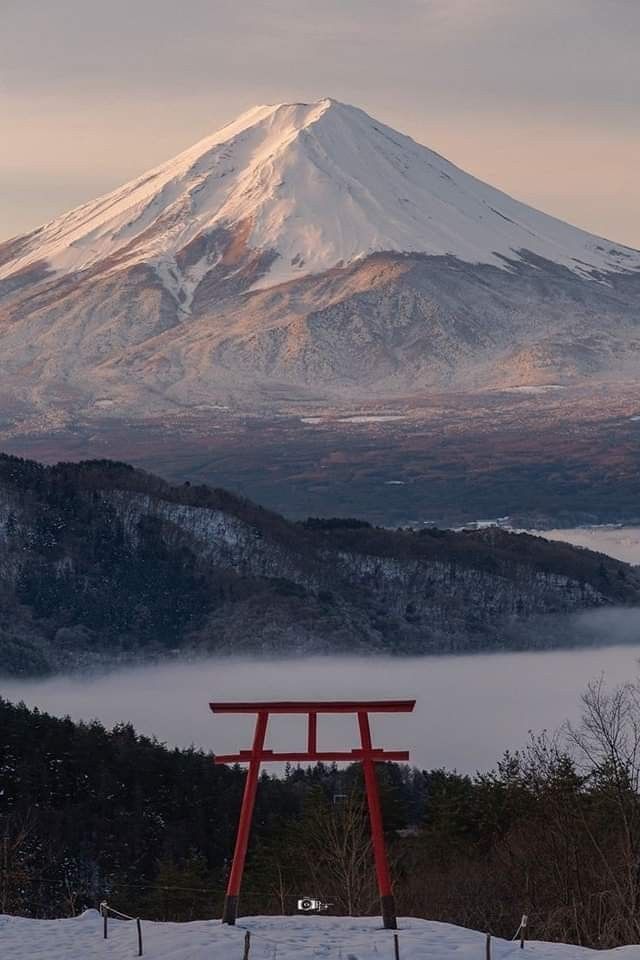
(338, 854)
(607, 747)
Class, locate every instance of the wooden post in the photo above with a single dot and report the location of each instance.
(396, 947)
(247, 945)
(103, 911)
(487, 948)
(139, 926)
(523, 930)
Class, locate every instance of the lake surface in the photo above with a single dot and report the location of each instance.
(470, 708)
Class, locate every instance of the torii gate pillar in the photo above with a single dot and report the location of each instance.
(367, 755)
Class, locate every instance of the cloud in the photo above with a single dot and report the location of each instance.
(154, 46)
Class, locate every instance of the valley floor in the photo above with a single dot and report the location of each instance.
(562, 458)
(272, 938)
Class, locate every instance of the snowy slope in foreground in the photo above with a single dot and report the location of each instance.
(316, 184)
(273, 938)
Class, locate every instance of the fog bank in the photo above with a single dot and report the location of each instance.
(470, 708)
(623, 543)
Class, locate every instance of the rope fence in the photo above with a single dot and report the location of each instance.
(261, 942)
(251, 939)
(218, 891)
(522, 931)
(106, 911)
(521, 934)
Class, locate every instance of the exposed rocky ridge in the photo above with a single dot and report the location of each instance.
(99, 562)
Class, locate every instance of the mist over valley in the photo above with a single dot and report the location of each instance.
(469, 710)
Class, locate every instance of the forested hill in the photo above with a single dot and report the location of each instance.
(102, 563)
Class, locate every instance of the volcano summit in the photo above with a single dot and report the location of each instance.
(311, 250)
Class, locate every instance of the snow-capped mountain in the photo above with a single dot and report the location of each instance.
(313, 185)
(312, 245)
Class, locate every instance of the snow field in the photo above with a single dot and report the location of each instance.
(272, 938)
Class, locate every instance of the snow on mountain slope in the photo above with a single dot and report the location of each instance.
(284, 938)
(312, 186)
(403, 274)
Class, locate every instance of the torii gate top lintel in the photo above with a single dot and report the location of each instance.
(367, 754)
(315, 706)
(312, 708)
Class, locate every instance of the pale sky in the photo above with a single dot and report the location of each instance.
(539, 97)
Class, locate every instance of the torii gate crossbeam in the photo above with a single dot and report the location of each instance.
(368, 755)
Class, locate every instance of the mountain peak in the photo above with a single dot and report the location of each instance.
(310, 186)
(297, 114)
(321, 104)
(150, 296)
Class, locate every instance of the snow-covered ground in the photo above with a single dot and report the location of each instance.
(530, 388)
(357, 418)
(272, 938)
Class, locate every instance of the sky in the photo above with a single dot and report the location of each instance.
(538, 97)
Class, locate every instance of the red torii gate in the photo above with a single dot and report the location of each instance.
(367, 754)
